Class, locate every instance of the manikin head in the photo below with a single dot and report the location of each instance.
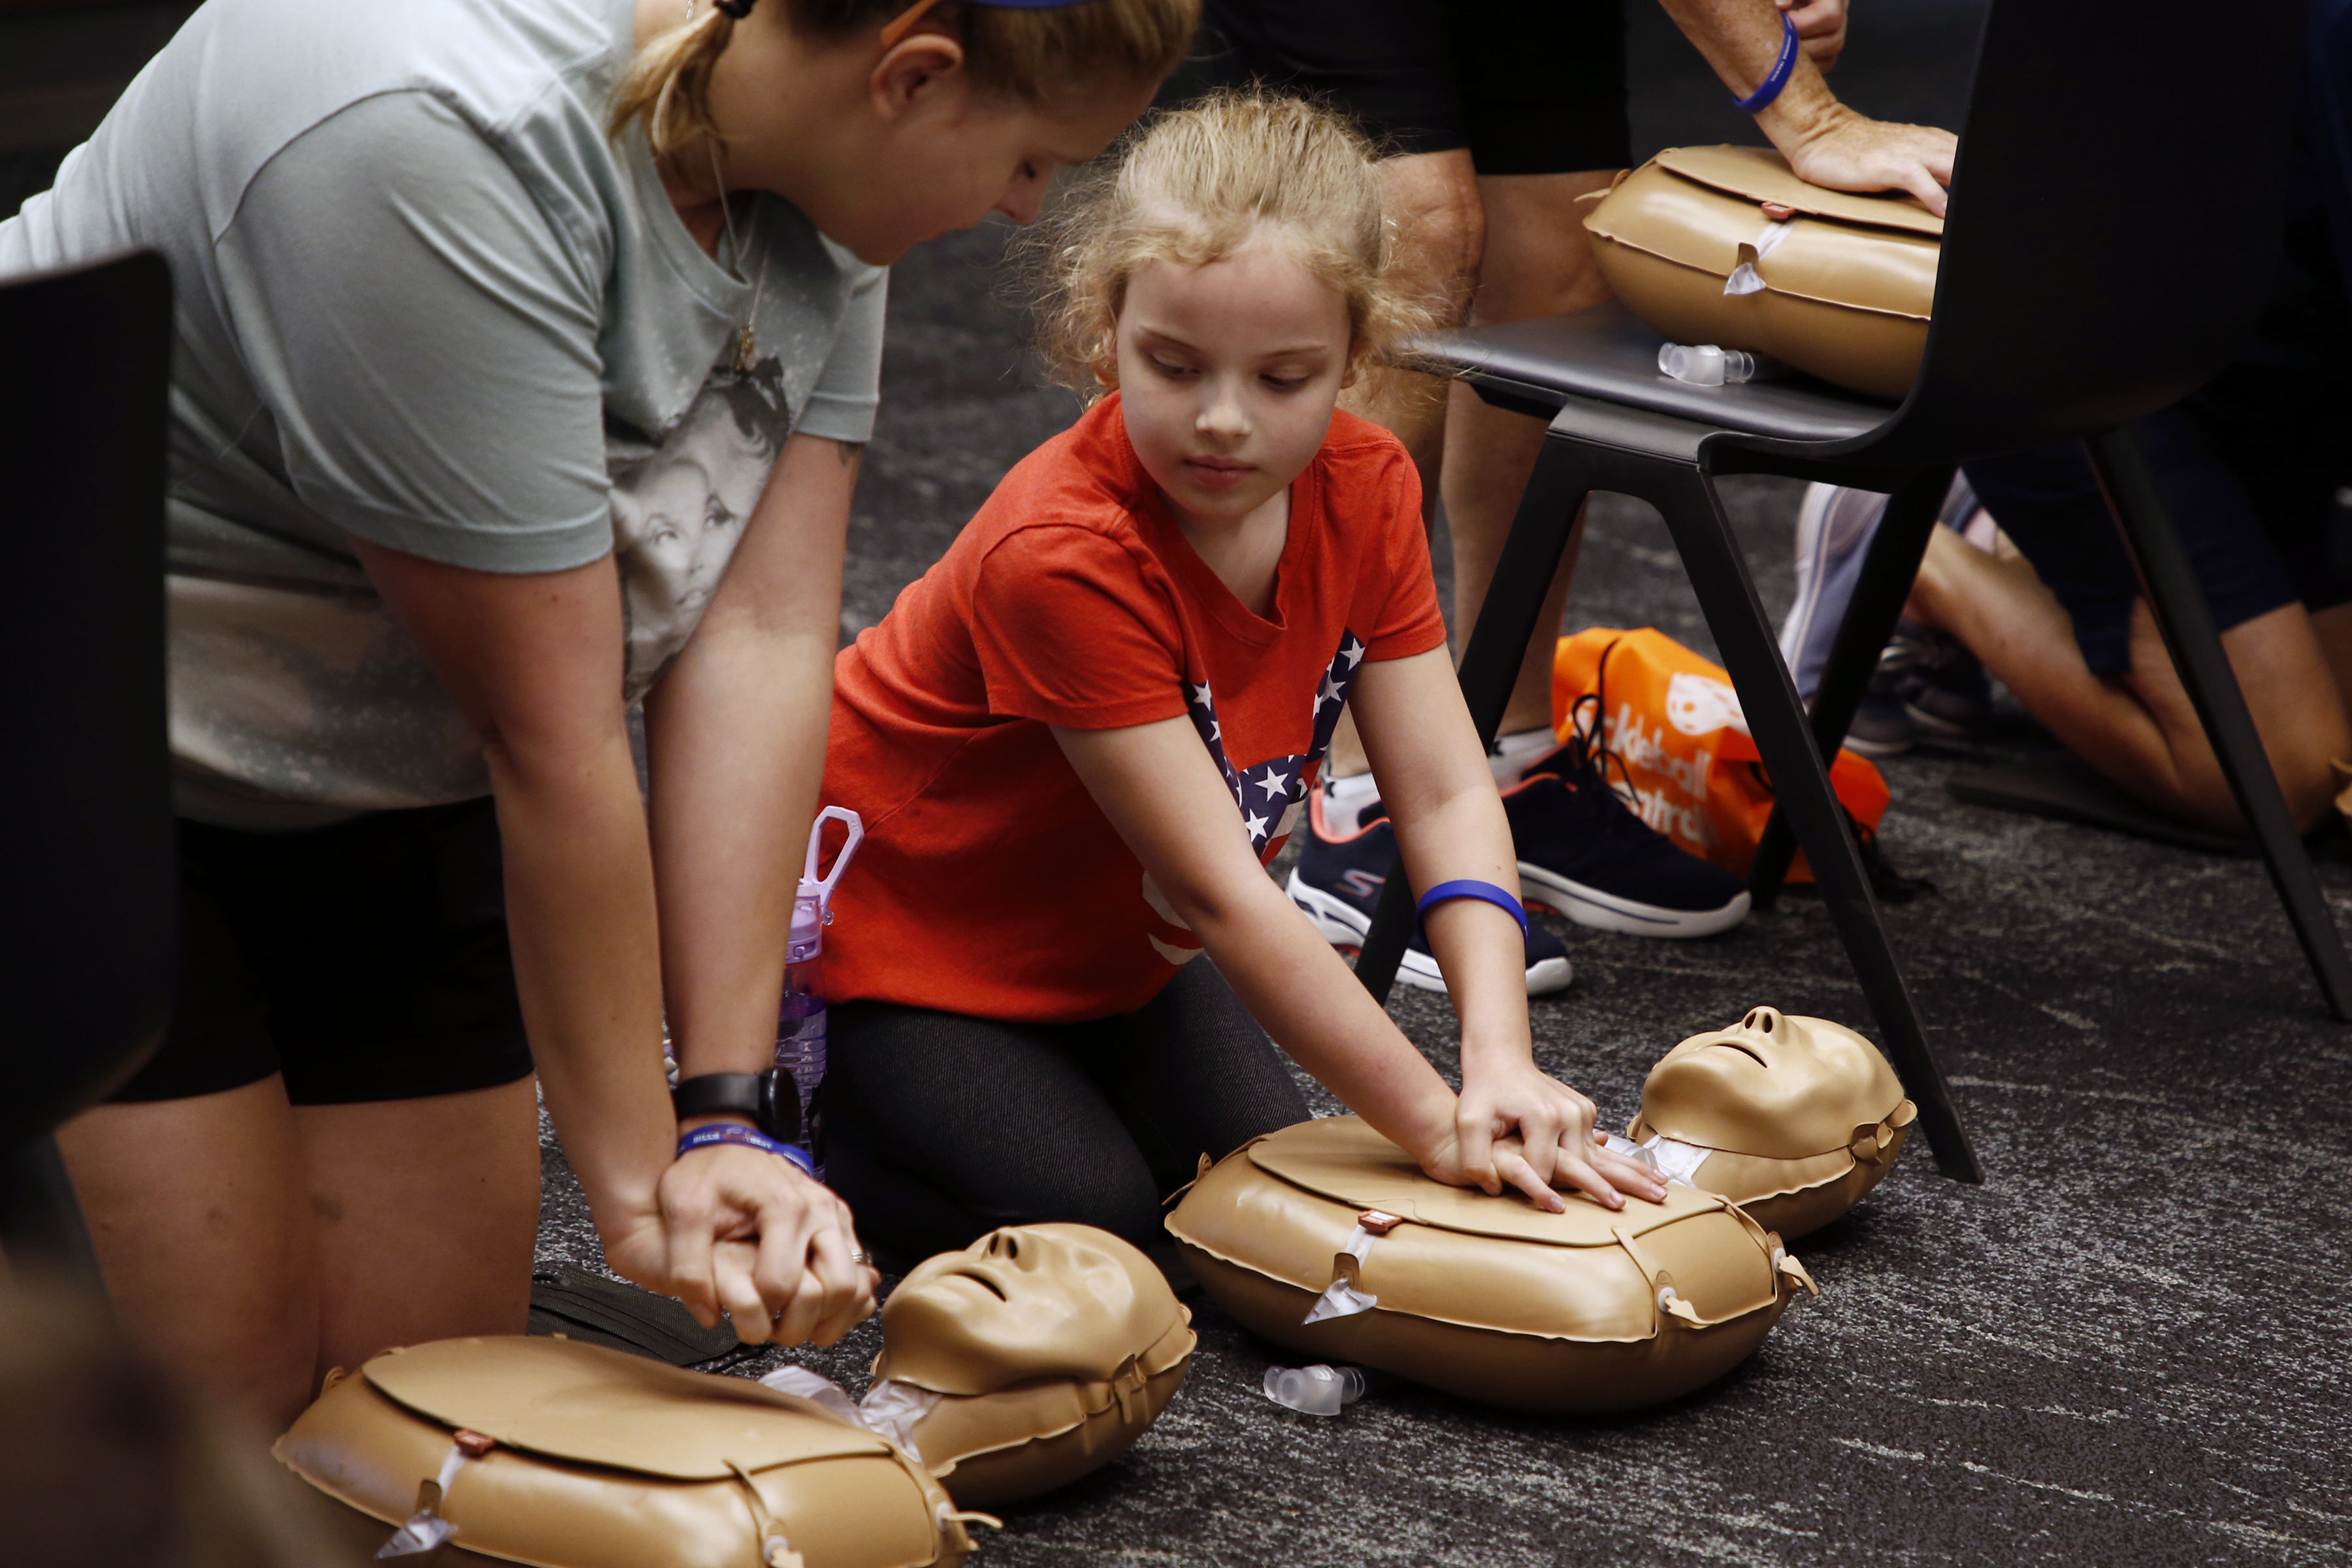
(1025, 1301)
(1771, 1085)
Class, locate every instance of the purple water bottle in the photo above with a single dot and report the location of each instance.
(800, 1022)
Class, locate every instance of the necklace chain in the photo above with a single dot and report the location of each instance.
(746, 340)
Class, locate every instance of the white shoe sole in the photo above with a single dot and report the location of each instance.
(1341, 924)
(1591, 907)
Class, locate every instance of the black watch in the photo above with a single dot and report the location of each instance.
(771, 1099)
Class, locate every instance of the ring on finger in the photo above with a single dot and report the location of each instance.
(863, 1259)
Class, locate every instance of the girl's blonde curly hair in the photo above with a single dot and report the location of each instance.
(1197, 184)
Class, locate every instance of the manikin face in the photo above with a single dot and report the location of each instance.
(1227, 377)
(1771, 1085)
(1026, 1302)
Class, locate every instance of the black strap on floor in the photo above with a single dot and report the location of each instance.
(2064, 788)
(569, 1300)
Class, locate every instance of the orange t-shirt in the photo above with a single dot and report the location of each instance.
(989, 883)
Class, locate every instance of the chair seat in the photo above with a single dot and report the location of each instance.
(1607, 355)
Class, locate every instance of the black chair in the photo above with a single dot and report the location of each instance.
(93, 950)
(2059, 313)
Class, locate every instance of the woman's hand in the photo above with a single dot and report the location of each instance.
(738, 1230)
(1516, 1127)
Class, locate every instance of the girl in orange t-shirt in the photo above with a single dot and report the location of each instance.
(1079, 739)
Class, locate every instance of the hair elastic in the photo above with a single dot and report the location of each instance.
(751, 1138)
(1781, 70)
(899, 25)
(1467, 889)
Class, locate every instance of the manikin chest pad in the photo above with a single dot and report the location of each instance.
(1032, 1356)
(1725, 245)
(572, 1456)
(1327, 1238)
(1793, 1119)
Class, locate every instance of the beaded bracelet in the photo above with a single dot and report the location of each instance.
(1781, 70)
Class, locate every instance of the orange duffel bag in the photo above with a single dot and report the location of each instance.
(1673, 722)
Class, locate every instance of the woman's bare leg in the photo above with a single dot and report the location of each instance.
(201, 1216)
(1539, 262)
(1432, 197)
(427, 1211)
(2139, 728)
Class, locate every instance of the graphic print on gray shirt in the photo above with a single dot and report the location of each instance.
(424, 300)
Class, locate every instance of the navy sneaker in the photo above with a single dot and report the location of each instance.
(1584, 853)
(1926, 682)
(1337, 882)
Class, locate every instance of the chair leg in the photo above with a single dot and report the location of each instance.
(1784, 739)
(1490, 663)
(2187, 623)
(40, 1222)
(1887, 573)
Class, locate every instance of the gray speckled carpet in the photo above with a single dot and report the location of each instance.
(2130, 1345)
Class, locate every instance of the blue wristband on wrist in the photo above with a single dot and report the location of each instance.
(1781, 70)
(1466, 889)
(751, 1138)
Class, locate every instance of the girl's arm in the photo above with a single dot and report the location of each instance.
(1450, 825)
(1158, 786)
(534, 663)
(736, 734)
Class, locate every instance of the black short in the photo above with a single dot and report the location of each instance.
(2254, 499)
(366, 960)
(1530, 87)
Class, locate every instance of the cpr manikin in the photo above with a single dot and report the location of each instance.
(1035, 1354)
(572, 1456)
(1793, 1119)
(1327, 1238)
(1727, 246)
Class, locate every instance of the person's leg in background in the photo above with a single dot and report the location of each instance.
(2062, 625)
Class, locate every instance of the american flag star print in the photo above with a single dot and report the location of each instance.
(1271, 792)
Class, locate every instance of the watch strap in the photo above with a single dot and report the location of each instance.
(771, 1099)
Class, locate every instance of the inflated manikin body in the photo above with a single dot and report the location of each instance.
(1727, 246)
(1327, 1238)
(1035, 1354)
(1793, 1119)
(572, 1456)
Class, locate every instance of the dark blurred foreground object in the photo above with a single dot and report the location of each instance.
(93, 951)
(107, 1462)
(2049, 324)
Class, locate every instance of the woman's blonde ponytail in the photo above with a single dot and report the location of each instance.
(667, 88)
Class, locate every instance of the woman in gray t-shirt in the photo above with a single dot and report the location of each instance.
(525, 351)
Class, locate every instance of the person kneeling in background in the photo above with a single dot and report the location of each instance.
(2256, 467)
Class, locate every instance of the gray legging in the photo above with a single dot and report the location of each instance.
(941, 1127)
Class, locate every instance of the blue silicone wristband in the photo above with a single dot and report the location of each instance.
(751, 1138)
(1782, 68)
(1467, 889)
